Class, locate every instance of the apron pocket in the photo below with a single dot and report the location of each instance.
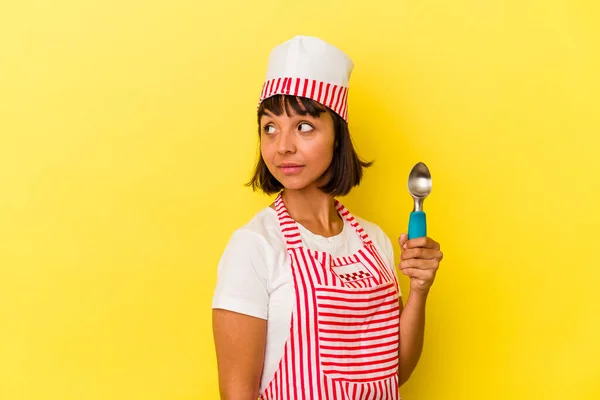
(358, 332)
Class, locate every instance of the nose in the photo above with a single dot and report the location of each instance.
(286, 142)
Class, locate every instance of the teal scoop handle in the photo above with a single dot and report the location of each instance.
(417, 225)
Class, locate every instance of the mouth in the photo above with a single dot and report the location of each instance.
(290, 169)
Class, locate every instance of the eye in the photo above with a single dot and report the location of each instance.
(305, 127)
(269, 129)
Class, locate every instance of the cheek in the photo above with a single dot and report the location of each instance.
(265, 152)
(322, 154)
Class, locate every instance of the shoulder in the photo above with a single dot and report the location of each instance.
(374, 231)
(250, 266)
(379, 237)
(262, 229)
(257, 240)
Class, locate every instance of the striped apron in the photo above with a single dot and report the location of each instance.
(344, 335)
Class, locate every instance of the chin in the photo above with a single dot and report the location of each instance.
(294, 186)
(294, 183)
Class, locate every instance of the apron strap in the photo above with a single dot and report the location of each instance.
(291, 232)
(288, 226)
(350, 218)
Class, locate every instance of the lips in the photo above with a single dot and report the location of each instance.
(290, 169)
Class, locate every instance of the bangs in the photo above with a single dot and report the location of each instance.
(291, 105)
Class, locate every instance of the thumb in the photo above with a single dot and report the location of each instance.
(402, 240)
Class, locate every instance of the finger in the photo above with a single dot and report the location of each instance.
(425, 241)
(423, 253)
(417, 263)
(408, 271)
(419, 274)
(402, 240)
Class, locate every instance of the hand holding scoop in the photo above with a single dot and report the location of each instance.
(419, 187)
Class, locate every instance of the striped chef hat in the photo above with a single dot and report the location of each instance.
(309, 67)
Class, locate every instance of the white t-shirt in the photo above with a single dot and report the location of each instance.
(255, 277)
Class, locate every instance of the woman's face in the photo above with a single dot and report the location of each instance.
(297, 149)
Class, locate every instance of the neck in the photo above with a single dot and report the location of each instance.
(313, 209)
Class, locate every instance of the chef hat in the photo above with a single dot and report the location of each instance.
(309, 67)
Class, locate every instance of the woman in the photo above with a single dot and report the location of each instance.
(307, 303)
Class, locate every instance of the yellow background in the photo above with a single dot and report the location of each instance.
(127, 129)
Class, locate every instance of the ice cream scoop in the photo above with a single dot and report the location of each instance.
(419, 187)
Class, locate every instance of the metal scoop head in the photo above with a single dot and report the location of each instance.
(419, 184)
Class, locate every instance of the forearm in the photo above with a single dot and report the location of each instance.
(239, 392)
(412, 329)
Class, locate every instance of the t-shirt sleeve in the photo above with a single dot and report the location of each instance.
(242, 276)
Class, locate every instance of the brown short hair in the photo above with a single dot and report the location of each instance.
(346, 168)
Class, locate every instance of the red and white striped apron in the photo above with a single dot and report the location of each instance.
(344, 338)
